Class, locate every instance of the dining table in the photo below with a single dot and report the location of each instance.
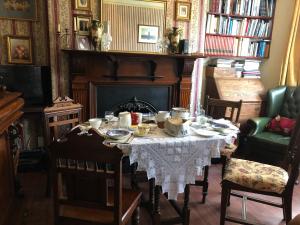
(173, 162)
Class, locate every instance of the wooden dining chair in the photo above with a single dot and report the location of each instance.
(254, 177)
(217, 108)
(87, 187)
(59, 119)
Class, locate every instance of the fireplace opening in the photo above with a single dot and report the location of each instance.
(109, 98)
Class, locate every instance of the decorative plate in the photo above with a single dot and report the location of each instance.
(117, 133)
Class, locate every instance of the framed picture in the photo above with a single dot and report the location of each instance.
(148, 34)
(83, 43)
(83, 4)
(19, 49)
(19, 10)
(183, 11)
(83, 24)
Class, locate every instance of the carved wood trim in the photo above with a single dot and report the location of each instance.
(185, 92)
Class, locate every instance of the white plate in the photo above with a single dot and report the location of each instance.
(117, 133)
(205, 133)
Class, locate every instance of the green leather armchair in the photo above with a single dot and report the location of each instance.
(265, 146)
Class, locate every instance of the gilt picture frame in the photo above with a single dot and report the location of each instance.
(19, 49)
(82, 5)
(18, 10)
(83, 24)
(148, 34)
(183, 11)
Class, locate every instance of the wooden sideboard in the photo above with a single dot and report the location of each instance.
(10, 111)
(250, 91)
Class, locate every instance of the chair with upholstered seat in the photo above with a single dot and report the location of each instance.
(266, 146)
(87, 185)
(230, 110)
(254, 177)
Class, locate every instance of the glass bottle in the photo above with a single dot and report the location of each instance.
(106, 37)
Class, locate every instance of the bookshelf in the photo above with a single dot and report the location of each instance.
(239, 28)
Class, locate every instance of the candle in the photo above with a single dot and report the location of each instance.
(75, 25)
(58, 28)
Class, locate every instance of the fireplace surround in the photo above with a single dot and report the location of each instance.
(102, 80)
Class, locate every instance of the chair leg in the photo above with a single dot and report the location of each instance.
(287, 205)
(136, 216)
(224, 202)
(223, 161)
(205, 184)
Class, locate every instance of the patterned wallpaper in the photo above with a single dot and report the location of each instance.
(60, 11)
(38, 29)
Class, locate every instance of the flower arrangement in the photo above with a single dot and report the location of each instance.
(173, 35)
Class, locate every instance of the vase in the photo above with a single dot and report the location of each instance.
(174, 38)
(96, 30)
(106, 37)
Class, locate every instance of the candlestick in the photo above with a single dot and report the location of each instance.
(75, 24)
(58, 28)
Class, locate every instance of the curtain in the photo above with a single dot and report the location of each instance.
(290, 69)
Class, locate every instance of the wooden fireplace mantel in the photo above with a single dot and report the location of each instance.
(89, 69)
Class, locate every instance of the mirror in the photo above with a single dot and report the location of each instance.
(135, 25)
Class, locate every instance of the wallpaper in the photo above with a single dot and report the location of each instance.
(37, 29)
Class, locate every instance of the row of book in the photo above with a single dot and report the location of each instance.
(230, 46)
(237, 26)
(243, 7)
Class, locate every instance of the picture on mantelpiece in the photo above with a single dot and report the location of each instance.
(19, 50)
(18, 9)
(83, 43)
(83, 24)
(83, 4)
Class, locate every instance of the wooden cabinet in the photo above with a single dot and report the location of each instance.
(10, 111)
(251, 91)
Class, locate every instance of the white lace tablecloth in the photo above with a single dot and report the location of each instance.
(173, 162)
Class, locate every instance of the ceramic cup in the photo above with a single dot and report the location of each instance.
(143, 129)
(95, 122)
(161, 117)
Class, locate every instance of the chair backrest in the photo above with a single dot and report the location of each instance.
(218, 108)
(291, 103)
(59, 122)
(91, 171)
(293, 156)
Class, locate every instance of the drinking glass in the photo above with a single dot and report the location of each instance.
(108, 115)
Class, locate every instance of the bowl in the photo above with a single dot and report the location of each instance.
(117, 133)
(95, 122)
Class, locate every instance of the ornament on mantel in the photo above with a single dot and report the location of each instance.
(106, 37)
(174, 35)
(96, 31)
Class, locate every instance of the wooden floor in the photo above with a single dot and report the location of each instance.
(35, 209)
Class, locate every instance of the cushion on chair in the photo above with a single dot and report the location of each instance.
(272, 138)
(256, 175)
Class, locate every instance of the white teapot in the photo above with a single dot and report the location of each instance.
(124, 119)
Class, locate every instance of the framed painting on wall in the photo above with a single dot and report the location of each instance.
(148, 34)
(19, 50)
(83, 4)
(183, 11)
(83, 25)
(19, 10)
